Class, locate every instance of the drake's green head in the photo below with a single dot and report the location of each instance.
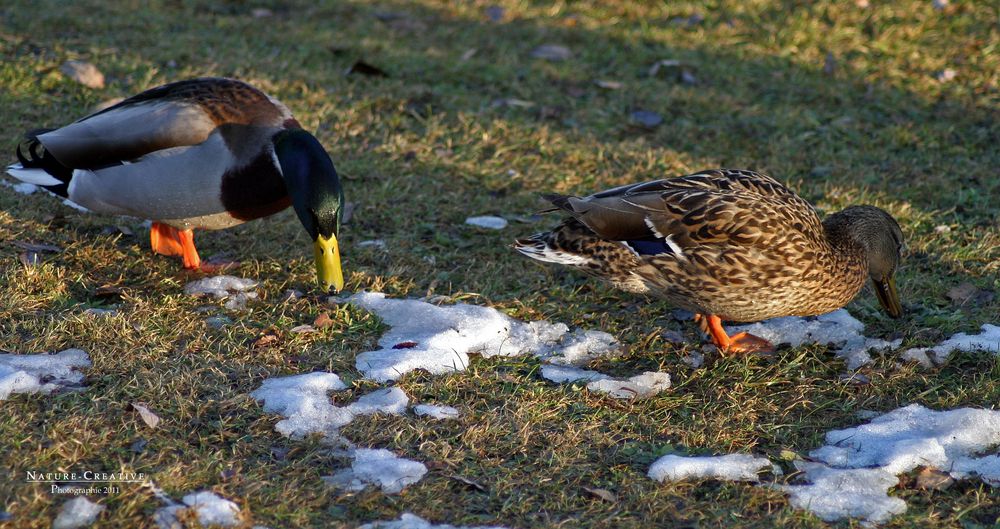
(317, 198)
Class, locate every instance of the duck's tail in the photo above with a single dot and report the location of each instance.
(544, 247)
(37, 166)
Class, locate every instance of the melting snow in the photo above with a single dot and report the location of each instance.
(836, 493)
(858, 465)
(638, 387)
(988, 340)
(23, 188)
(378, 467)
(487, 221)
(411, 521)
(440, 339)
(210, 508)
(436, 412)
(837, 327)
(732, 467)
(303, 400)
(562, 374)
(75, 513)
(235, 290)
(40, 372)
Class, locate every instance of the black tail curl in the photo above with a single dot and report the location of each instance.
(33, 155)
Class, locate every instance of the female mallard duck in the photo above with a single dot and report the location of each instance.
(727, 245)
(203, 153)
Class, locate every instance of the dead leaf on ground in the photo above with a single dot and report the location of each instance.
(946, 75)
(363, 68)
(466, 481)
(968, 294)
(512, 102)
(552, 52)
(673, 69)
(550, 112)
(495, 13)
(401, 21)
(829, 64)
(147, 415)
(84, 73)
(37, 248)
(602, 494)
(405, 345)
(268, 339)
(609, 85)
(689, 21)
(30, 258)
(933, 479)
(646, 119)
(323, 320)
(108, 291)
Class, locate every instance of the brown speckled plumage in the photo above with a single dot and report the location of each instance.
(731, 243)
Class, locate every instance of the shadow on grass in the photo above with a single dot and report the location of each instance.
(427, 146)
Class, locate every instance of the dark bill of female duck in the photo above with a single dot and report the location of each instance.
(888, 296)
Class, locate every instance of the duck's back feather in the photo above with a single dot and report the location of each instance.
(173, 115)
(708, 208)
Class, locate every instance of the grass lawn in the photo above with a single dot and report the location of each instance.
(847, 104)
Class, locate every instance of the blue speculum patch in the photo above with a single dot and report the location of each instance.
(653, 247)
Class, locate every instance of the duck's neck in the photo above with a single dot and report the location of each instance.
(846, 261)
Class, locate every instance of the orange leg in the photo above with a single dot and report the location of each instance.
(167, 240)
(739, 343)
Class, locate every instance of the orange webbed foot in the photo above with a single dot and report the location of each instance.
(746, 343)
(741, 343)
(167, 240)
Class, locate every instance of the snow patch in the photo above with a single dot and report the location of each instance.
(23, 188)
(732, 467)
(487, 221)
(76, 513)
(210, 509)
(857, 466)
(562, 374)
(440, 339)
(235, 290)
(835, 493)
(436, 412)
(303, 400)
(411, 521)
(638, 387)
(41, 373)
(988, 340)
(838, 328)
(377, 467)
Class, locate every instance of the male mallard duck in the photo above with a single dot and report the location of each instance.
(727, 245)
(204, 153)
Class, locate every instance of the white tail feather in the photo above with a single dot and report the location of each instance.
(542, 252)
(32, 176)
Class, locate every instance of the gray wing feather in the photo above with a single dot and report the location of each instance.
(128, 133)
